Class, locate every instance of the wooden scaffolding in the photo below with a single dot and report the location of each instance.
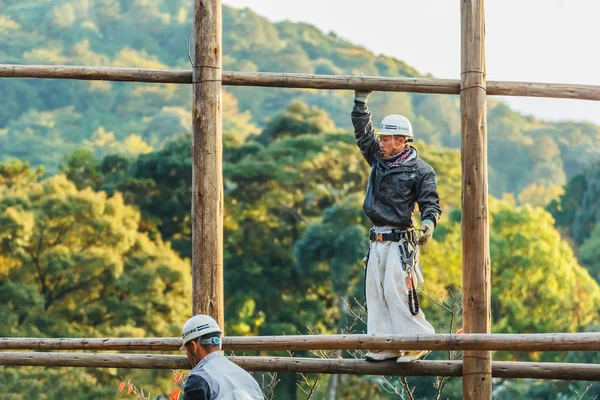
(207, 79)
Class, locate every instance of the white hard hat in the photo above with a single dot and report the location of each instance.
(396, 124)
(199, 325)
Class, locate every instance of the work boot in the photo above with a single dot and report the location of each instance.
(383, 355)
(411, 356)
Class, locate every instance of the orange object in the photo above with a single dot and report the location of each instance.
(175, 394)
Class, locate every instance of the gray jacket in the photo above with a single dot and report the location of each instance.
(217, 378)
(393, 192)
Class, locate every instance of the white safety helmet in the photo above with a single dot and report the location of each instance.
(200, 325)
(396, 124)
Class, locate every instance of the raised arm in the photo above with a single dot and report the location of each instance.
(363, 127)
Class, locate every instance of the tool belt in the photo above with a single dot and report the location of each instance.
(408, 243)
(396, 235)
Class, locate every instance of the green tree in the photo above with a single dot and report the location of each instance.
(81, 168)
(588, 212)
(70, 256)
(589, 253)
(73, 263)
(566, 206)
(16, 173)
(576, 211)
(335, 246)
(132, 118)
(538, 286)
(297, 120)
(40, 136)
(540, 195)
(63, 15)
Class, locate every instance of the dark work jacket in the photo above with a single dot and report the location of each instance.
(392, 193)
(217, 378)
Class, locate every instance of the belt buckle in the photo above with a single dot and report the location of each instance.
(379, 237)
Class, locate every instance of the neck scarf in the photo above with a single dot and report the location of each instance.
(395, 160)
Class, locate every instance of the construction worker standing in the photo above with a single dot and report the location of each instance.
(213, 376)
(399, 181)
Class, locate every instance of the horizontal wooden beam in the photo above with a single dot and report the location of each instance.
(492, 342)
(341, 82)
(570, 371)
(301, 81)
(157, 344)
(115, 74)
(94, 360)
(498, 342)
(540, 89)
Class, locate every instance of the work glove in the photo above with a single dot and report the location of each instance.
(361, 96)
(427, 227)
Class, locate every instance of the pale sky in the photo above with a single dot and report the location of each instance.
(553, 41)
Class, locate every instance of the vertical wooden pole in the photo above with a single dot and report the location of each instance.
(477, 366)
(207, 156)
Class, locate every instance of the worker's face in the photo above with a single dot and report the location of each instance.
(389, 145)
(195, 352)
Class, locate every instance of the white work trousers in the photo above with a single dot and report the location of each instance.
(387, 297)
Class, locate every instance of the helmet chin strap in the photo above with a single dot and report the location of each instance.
(394, 146)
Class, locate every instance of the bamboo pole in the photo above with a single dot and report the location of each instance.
(570, 371)
(207, 158)
(443, 342)
(477, 365)
(301, 81)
